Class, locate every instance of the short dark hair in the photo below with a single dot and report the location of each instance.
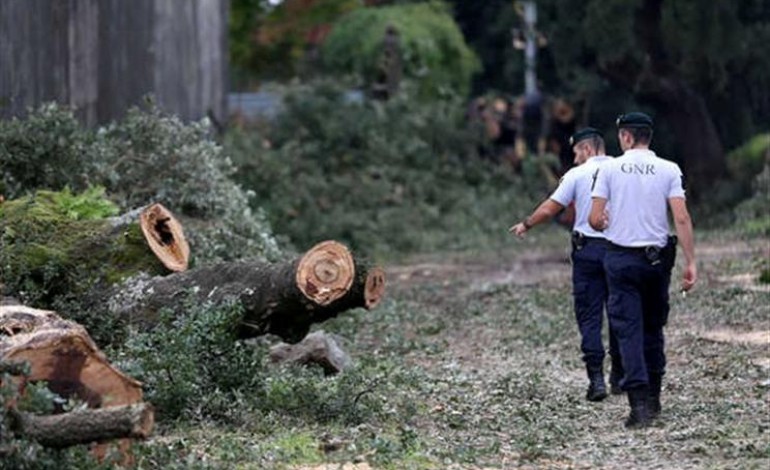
(597, 142)
(642, 135)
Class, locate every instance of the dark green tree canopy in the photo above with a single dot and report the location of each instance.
(701, 67)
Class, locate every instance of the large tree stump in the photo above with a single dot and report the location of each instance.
(61, 353)
(283, 299)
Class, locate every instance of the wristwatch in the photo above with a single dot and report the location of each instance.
(526, 224)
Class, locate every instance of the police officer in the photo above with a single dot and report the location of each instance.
(588, 247)
(638, 186)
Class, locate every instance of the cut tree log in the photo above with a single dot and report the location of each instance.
(87, 425)
(284, 299)
(53, 255)
(87, 268)
(165, 236)
(61, 354)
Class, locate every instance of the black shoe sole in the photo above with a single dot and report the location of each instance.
(596, 397)
(637, 425)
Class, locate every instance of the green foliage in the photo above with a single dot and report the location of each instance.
(148, 157)
(750, 168)
(487, 29)
(244, 17)
(47, 149)
(764, 276)
(187, 357)
(49, 242)
(152, 157)
(384, 177)
(18, 453)
(433, 50)
(89, 205)
(748, 160)
(273, 40)
(195, 369)
(754, 213)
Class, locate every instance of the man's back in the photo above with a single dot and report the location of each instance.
(576, 186)
(638, 185)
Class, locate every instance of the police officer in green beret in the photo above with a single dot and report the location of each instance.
(588, 248)
(630, 201)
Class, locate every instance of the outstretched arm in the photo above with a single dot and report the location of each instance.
(545, 211)
(684, 232)
(567, 216)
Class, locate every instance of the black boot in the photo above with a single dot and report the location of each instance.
(616, 374)
(639, 416)
(597, 391)
(653, 399)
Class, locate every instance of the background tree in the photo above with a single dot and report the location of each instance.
(679, 57)
(433, 49)
(699, 66)
(274, 42)
(487, 29)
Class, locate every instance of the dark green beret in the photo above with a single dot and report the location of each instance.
(582, 134)
(634, 119)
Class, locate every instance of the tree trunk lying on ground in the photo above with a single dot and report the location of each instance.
(53, 255)
(88, 268)
(284, 299)
(61, 353)
(87, 425)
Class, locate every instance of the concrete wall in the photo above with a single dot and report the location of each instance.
(102, 56)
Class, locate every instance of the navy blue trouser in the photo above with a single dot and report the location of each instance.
(638, 310)
(589, 288)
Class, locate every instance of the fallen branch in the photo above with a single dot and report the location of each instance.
(88, 425)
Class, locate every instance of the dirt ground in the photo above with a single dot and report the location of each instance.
(509, 383)
(472, 361)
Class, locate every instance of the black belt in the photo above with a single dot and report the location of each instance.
(579, 240)
(654, 254)
(579, 235)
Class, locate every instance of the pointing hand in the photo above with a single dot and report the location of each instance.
(519, 230)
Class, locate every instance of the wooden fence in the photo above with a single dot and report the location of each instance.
(103, 56)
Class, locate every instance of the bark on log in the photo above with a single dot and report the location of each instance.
(283, 299)
(88, 425)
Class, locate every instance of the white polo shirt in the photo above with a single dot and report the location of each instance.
(575, 185)
(637, 186)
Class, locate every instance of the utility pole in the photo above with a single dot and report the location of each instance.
(530, 53)
(534, 119)
(530, 40)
